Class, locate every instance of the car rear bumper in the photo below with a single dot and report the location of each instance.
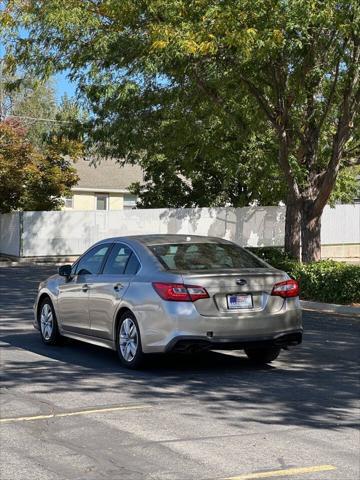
(179, 326)
(190, 344)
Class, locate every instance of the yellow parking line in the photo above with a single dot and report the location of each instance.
(283, 473)
(72, 414)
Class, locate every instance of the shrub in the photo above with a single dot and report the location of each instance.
(324, 281)
(276, 256)
(330, 281)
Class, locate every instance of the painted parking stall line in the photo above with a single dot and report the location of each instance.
(283, 473)
(74, 413)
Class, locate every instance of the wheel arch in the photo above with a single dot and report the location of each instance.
(119, 314)
(42, 297)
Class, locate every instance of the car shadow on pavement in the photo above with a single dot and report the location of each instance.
(314, 384)
(18, 288)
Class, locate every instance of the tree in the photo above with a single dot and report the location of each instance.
(216, 173)
(34, 106)
(31, 102)
(296, 64)
(37, 136)
(30, 179)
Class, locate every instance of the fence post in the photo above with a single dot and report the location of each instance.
(21, 231)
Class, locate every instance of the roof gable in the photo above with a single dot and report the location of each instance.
(106, 174)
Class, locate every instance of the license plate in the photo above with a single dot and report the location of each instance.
(239, 300)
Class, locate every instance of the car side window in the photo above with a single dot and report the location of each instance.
(91, 262)
(133, 265)
(118, 260)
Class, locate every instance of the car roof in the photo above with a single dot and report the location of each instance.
(156, 239)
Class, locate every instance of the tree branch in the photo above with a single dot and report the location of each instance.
(263, 102)
(216, 98)
(351, 98)
(330, 97)
(350, 162)
(284, 162)
(280, 129)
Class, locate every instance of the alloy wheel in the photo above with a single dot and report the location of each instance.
(129, 341)
(46, 321)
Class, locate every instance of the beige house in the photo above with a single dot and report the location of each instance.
(104, 186)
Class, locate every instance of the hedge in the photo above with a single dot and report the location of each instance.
(324, 281)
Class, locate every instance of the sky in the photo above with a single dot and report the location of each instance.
(62, 86)
(61, 83)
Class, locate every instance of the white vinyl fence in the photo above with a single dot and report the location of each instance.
(37, 234)
(10, 234)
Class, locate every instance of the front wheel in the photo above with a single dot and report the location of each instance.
(49, 329)
(129, 342)
(262, 355)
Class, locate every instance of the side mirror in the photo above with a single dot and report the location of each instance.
(65, 270)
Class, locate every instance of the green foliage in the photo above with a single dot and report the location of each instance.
(31, 179)
(324, 281)
(30, 103)
(35, 140)
(33, 104)
(275, 256)
(330, 281)
(206, 95)
(347, 187)
(213, 175)
(247, 99)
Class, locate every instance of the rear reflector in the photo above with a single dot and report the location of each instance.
(289, 288)
(178, 292)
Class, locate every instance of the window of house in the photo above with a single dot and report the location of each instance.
(130, 201)
(69, 202)
(102, 201)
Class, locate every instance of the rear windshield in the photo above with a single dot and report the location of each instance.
(204, 256)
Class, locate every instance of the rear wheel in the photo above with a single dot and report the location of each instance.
(262, 355)
(129, 342)
(49, 329)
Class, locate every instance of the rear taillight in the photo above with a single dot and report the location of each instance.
(172, 291)
(289, 288)
(196, 292)
(178, 292)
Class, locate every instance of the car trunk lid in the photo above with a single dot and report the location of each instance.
(251, 287)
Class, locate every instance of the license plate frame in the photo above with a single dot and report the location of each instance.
(239, 301)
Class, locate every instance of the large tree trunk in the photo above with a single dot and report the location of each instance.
(310, 235)
(293, 228)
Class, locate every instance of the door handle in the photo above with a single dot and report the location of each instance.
(85, 287)
(118, 286)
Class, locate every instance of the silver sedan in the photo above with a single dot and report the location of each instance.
(160, 293)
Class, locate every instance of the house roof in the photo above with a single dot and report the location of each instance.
(106, 174)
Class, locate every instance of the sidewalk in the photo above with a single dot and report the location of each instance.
(348, 310)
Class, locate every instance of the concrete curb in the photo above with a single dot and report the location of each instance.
(331, 308)
(21, 264)
(10, 261)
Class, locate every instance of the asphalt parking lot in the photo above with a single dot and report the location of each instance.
(73, 412)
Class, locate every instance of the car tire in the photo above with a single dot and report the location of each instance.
(128, 341)
(48, 325)
(262, 355)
